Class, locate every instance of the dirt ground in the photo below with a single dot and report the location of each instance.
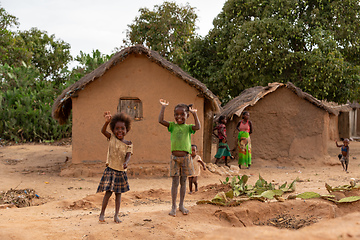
(68, 207)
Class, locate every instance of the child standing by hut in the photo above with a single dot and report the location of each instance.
(244, 142)
(223, 149)
(197, 162)
(181, 164)
(344, 156)
(114, 178)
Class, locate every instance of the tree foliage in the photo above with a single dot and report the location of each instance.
(167, 29)
(312, 43)
(25, 106)
(89, 62)
(12, 50)
(33, 71)
(48, 54)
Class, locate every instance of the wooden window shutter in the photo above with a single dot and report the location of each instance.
(132, 107)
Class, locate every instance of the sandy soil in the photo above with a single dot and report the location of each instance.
(68, 208)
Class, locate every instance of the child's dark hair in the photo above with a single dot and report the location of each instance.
(221, 118)
(182, 105)
(193, 145)
(120, 117)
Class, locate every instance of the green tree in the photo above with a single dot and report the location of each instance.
(50, 55)
(12, 49)
(33, 71)
(87, 63)
(315, 44)
(167, 29)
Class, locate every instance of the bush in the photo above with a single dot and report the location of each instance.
(26, 104)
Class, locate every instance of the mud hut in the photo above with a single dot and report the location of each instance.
(288, 123)
(133, 81)
(348, 120)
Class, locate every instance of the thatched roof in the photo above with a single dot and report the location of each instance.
(339, 108)
(63, 104)
(251, 96)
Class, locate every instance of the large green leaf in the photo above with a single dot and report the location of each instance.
(349, 199)
(308, 195)
(271, 193)
(220, 197)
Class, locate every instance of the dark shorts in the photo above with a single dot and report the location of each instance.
(181, 166)
(114, 181)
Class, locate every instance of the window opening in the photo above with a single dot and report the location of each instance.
(131, 106)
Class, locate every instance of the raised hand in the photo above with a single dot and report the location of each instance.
(107, 116)
(192, 110)
(164, 102)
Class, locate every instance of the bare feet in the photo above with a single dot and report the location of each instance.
(190, 192)
(183, 210)
(173, 212)
(102, 218)
(117, 219)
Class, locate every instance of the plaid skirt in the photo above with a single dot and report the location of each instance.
(114, 181)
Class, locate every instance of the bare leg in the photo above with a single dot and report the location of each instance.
(182, 195)
(174, 189)
(107, 195)
(190, 184)
(342, 164)
(195, 183)
(117, 207)
(226, 161)
(217, 160)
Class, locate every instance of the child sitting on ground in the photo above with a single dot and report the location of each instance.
(344, 156)
(197, 162)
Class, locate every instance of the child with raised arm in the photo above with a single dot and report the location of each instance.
(114, 178)
(344, 156)
(181, 164)
(197, 162)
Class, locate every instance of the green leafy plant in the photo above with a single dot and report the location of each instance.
(26, 104)
(262, 191)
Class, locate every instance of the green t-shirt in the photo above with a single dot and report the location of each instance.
(180, 136)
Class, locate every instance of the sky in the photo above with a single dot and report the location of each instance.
(93, 24)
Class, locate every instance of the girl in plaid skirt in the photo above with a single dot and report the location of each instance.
(114, 178)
